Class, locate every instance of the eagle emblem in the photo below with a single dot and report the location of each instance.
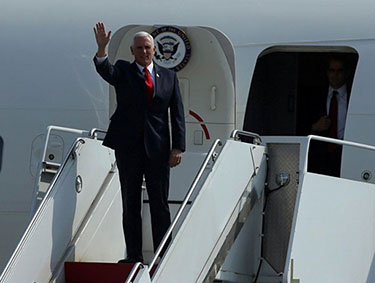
(173, 48)
(167, 46)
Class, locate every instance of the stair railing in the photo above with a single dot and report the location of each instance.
(94, 133)
(40, 209)
(237, 133)
(335, 141)
(43, 165)
(211, 155)
(136, 267)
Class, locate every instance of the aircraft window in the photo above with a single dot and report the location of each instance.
(1, 152)
(283, 86)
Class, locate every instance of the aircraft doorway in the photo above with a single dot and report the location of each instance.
(286, 80)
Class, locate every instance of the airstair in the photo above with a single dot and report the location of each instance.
(237, 222)
(75, 215)
(79, 218)
(218, 213)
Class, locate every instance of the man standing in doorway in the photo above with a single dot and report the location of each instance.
(140, 135)
(330, 117)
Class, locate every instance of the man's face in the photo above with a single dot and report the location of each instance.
(336, 74)
(143, 50)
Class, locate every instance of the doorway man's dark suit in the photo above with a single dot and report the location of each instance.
(139, 134)
(324, 158)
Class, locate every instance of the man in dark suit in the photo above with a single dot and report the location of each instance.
(140, 135)
(328, 119)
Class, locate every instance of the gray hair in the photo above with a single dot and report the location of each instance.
(143, 34)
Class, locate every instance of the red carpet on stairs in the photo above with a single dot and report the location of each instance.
(95, 272)
(90, 272)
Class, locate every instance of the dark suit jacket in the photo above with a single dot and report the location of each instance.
(135, 120)
(318, 107)
(321, 159)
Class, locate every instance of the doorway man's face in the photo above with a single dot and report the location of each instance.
(336, 74)
(143, 50)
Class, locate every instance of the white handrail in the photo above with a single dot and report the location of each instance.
(134, 271)
(183, 205)
(39, 211)
(61, 129)
(92, 134)
(236, 133)
(335, 141)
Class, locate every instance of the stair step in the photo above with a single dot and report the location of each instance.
(93, 272)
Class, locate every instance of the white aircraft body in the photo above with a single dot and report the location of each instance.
(251, 64)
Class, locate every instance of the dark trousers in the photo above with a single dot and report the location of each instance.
(132, 166)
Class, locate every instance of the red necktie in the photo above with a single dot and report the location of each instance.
(333, 115)
(149, 85)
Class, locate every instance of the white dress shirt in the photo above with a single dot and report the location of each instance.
(342, 106)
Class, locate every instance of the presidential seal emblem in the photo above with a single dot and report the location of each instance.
(173, 48)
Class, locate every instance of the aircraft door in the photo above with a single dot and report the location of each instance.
(204, 61)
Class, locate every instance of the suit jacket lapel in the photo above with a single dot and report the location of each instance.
(139, 78)
(136, 71)
(157, 80)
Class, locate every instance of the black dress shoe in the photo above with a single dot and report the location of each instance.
(131, 260)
